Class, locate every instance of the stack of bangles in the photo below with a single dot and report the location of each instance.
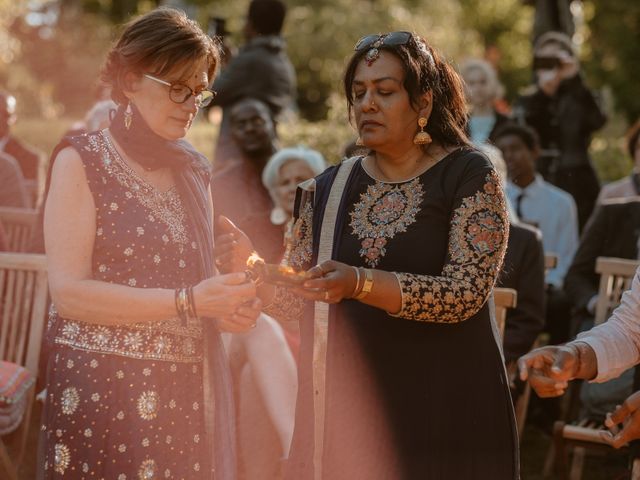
(364, 283)
(185, 305)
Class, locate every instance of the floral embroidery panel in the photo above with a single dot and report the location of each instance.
(477, 242)
(383, 211)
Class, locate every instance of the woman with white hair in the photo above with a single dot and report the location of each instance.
(283, 173)
(482, 89)
(263, 361)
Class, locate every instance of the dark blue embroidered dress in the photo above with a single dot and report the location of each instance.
(421, 394)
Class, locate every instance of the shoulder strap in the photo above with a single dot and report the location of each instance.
(321, 312)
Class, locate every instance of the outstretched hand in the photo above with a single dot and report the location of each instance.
(549, 369)
(626, 415)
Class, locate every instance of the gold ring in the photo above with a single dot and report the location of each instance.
(326, 296)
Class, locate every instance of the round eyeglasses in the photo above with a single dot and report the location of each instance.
(180, 93)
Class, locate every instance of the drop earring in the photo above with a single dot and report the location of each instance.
(128, 116)
(422, 137)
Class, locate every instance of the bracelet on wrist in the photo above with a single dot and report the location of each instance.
(357, 288)
(367, 286)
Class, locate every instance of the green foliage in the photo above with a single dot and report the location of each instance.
(611, 50)
(503, 33)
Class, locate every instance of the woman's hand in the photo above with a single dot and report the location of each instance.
(329, 282)
(224, 295)
(232, 248)
(244, 318)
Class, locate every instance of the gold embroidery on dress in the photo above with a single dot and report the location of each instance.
(477, 243)
(383, 211)
(147, 470)
(168, 340)
(301, 250)
(70, 400)
(148, 404)
(166, 206)
(62, 458)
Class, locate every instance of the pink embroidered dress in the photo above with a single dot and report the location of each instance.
(126, 402)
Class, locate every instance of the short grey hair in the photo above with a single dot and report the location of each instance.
(487, 69)
(271, 172)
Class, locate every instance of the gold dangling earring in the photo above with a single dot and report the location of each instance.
(422, 137)
(128, 116)
(359, 142)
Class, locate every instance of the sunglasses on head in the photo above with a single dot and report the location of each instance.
(378, 40)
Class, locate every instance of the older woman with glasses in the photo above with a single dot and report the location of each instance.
(401, 373)
(137, 379)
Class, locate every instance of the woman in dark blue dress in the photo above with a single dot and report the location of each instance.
(401, 373)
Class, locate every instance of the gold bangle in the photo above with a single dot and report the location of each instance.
(368, 284)
(357, 289)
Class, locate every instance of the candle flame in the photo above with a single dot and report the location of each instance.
(254, 259)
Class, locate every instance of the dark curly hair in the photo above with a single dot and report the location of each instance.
(425, 69)
(160, 42)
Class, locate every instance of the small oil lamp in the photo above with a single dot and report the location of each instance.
(259, 271)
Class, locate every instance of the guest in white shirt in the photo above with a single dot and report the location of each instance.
(600, 354)
(628, 186)
(547, 207)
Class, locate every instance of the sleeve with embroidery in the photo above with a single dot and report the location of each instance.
(477, 243)
(298, 254)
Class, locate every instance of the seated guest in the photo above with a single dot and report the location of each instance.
(628, 186)
(612, 231)
(547, 207)
(30, 161)
(238, 193)
(13, 191)
(522, 270)
(482, 90)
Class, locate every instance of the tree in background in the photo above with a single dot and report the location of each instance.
(612, 48)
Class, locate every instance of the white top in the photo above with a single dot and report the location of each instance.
(554, 212)
(617, 341)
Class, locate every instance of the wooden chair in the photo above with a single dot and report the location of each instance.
(23, 305)
(18, 224)
(616, 275)
(503, 298)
